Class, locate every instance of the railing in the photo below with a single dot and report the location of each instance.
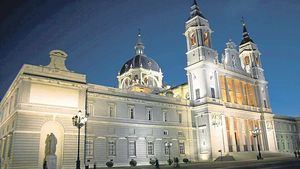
(230, 105)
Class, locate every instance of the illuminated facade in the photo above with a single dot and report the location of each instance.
(287, 133)
(214, 111)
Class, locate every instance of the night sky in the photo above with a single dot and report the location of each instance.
(99, 37)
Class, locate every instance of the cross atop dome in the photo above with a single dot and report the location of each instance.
(139, 47)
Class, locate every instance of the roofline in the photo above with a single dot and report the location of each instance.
(182, 84)
(284, 117)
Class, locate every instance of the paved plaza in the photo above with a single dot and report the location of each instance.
(271, 163)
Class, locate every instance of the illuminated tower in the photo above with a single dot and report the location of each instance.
(250, 56)
(202, 65)
(200, 56)
(251, 63)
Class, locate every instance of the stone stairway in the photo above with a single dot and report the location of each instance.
(242, 156)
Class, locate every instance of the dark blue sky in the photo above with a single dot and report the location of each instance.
(99, 37)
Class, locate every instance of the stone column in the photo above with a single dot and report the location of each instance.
(261, 136)
(248, 136)
(227, 92)
(234, 91)
(243, 93)
(232, 137)
(224, 134)
(241, 131)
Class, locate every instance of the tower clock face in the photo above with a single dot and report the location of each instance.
(192, 39)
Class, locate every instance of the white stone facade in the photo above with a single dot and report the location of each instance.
(215, 111)
(287, 134)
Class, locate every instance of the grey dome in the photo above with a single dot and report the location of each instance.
(140, 61)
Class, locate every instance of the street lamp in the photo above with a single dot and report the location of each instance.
(78, 121)
(256, 132)
(169, 145)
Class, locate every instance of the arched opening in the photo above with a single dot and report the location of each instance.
(58, 131)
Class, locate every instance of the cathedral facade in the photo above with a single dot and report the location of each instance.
(215, 112)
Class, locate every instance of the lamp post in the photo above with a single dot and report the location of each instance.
(78, 121)
(256, 132)
(169, 145)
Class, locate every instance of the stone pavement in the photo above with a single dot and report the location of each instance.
(270, 163)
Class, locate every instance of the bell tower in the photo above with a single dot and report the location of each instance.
(198, 37)
(200, 55)
(250, 56)
(251, 63)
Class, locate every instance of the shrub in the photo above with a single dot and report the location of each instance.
(170, 161)
(132, 163)
(152, 161)
(110, 163)
(185, 160)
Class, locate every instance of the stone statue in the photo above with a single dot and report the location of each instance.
(50, 149)
(51, 142)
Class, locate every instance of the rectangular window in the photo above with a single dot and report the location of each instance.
(230, 89)
(149, 114)
(251, 95)
(238, 91)
(132, 148)
(4, 148)
(180, 117)
(197, 94)
(265, 104)
(166, 132)
(223, 88)
(165, 116)
(212, 90)
(180, 134)
(90, 108)
(131, 112)
(112, 110)
(150, 148)
(90, 147)
(111, 148)
(181, 148)
(166, 150)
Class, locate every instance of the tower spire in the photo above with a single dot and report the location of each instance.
(195, 10)
(195, 2)
(246, 36)
(139, 47)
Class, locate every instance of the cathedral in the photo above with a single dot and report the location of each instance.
(223, 103)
